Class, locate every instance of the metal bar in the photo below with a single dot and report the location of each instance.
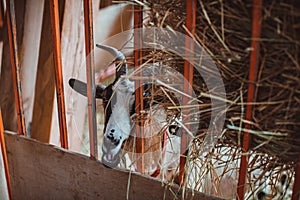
(188, 82)
(90, 73)
(138, 54)
(254, 61)
(296, 186)
(1, 14)
(4, 156)
(15, 64)
(54, 7)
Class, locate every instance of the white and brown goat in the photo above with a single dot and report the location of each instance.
(119, 105)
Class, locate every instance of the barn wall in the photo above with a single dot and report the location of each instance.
(42, 171)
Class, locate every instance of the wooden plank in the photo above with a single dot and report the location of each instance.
(15, 64)
(73, 54)
(44, 89)
(29, 52)
(6, 83)
(41, 171)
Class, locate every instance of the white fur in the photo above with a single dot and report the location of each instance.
(120, 118)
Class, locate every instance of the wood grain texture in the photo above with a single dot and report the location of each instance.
(29, 53)
(73, 59)
(42, 171)
(45, 82)
(6, 84)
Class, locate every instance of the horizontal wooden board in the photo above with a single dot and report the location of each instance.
(43, 171)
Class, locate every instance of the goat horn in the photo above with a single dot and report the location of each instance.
(119, 56)
(115, 52)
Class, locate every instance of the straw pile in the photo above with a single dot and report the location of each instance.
(224, 30)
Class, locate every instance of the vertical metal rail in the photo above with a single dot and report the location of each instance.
(296, 186)
(15, 64)
(188, 82)
(4, 156)
(1, 14)
(254, 62)
(138, 54)
(90, 73)
(54, 7)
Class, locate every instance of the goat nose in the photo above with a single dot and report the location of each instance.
(115, 140)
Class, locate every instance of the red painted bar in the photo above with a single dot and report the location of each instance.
(54, 7)
(254, 61)
(296, 186)
(15, 64)
(138, 54)
(4, 156)
(1, 14)
(188, 82)
(90, 73)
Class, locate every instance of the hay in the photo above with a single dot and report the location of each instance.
(224, 30)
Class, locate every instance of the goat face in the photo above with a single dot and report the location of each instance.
(118, 101)
(118, 125)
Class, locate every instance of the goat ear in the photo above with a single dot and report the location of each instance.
(78, 86)
(81, 88)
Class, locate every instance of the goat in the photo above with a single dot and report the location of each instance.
(119, 103)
